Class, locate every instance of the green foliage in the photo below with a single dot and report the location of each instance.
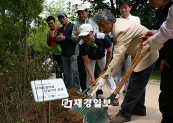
(71, 12)
(53, 8)
(155, 76)
(140, 8)
(18, 66)
(38, 38)
(146, 13)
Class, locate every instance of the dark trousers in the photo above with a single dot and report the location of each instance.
(135, 97)
(166, 95)
(96, 75)
(57, 59)
(82, 72)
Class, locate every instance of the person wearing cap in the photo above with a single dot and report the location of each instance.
(55, 48)
(165, 31)
(126, 35)
(82, 12)
(71, 75)
(92, 48)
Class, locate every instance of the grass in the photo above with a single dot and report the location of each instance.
(155, 76)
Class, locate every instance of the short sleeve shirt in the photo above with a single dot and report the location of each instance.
(95, 53)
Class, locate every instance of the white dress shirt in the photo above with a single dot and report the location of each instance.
(133, 18)
(166, 29)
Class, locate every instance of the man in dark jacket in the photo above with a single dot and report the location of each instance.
(71, 75)
(166, 68)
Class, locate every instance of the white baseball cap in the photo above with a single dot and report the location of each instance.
(81, 7)
(85, 29)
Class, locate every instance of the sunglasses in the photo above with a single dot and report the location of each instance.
(86, 35)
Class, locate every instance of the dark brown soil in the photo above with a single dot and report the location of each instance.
(74, 95)
(37, 112)
(69, 117)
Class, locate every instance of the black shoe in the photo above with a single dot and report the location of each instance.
(138, 113)
(119, 119)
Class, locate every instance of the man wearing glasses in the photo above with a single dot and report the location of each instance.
(83, 12)
(92, 48)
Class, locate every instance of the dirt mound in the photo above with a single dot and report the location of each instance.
(69, 117)
(73, 94)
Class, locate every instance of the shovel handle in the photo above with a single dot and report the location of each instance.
(140, 46)
(94, 92)
(130, 70)
(136, 60)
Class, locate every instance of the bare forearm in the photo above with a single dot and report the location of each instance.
(108, 58)
(89, 69)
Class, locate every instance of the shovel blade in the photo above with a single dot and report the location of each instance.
(83, 110)
(97, 115)
(86, 90)
(75, 108)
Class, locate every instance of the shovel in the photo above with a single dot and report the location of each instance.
(86, 90)
(75, 107)
(84, 108)
(92, 114)
(139, 56)
(98, 115)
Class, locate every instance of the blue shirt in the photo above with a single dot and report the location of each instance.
(95, 53)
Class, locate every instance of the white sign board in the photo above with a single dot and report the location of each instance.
(50, 89)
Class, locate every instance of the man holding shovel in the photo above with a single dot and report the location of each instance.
(96, 47)
(126, 35)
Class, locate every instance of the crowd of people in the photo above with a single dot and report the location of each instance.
(78, 47)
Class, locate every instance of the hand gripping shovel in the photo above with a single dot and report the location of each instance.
(84, 109)
(86, 90)
(139, 56)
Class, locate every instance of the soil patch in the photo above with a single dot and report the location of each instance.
(37, 112)
(68, 117)
(73, 94)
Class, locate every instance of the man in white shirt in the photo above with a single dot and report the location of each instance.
(166, 30)
(125, 7)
